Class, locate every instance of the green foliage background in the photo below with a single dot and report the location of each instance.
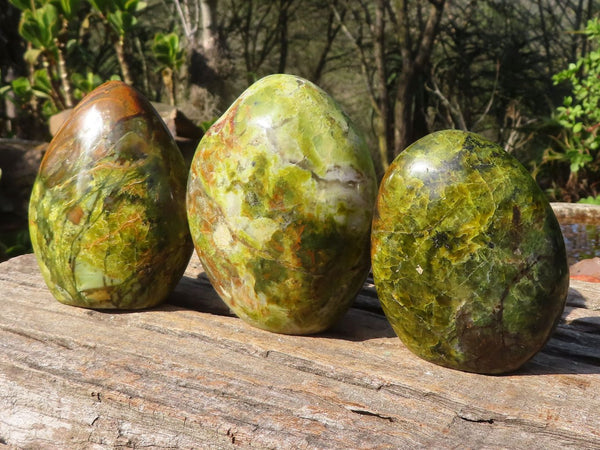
(522, 73)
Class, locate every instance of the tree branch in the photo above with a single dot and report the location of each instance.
(454, 111)
(361, 56)
(429, 33)
(182, 19)
(491, 101)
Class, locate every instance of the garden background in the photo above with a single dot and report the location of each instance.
(525, 74)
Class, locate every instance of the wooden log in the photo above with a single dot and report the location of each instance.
(188, 374)
(582, 213)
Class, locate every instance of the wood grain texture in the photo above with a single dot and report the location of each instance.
(188, 374)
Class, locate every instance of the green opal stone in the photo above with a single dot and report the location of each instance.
(107, 213)
(280, 201)
(468, 258)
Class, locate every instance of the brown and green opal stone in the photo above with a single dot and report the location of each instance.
(468, 258)
(107, 213)
(280, 203)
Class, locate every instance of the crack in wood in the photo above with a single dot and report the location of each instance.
(45, 340)
(364, 412)
(475, 419)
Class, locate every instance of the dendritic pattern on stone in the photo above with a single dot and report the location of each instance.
(107, 213)
(280, 200)
(468, 257)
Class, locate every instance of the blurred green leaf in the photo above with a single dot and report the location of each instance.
(31, 55)
(49, 108)
(40, 26)
(69, 7)
(167, 51)
(21, 87)
(590, 200)
(121, 21)
(103, 6)
(21, 4)
(5, 90)
(84, 84)
(42, 84)
(580, 114)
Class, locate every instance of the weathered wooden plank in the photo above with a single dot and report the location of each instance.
(189, 374)
(576, 212)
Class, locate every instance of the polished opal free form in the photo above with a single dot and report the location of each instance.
(280, 200)
(468, 257)
(107, 214)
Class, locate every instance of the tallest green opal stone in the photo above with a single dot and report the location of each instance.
(280, 202)
(468, 257)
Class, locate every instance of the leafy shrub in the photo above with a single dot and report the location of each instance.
(578, 144)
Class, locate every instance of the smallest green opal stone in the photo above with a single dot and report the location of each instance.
(468, 258)
(107, 213)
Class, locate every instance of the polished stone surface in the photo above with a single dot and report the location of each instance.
(468, 258)
(107, 213)
(280, 200)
